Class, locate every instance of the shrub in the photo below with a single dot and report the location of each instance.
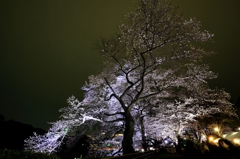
(15, 154)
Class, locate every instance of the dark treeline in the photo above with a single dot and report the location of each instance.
(13, 133)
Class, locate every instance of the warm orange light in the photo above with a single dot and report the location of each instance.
(236, 141)
(216, 140)
(210, 138)
(216, 129)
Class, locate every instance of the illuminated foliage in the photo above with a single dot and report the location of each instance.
(47, 143)
(153, 77)
(153, 55)
(52, 140)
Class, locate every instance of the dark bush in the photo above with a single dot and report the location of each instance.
(15, 154)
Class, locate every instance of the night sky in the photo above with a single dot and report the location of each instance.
(46, 50)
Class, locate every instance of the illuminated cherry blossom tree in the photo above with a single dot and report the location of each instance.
(147, 67)
(169, 120)
(73, 116)
(48, 142)
(153, 54)
(172, 113)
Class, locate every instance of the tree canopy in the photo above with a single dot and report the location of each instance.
(153, 75)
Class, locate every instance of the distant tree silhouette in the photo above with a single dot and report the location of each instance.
(2, 118)
(237, 107)
(13, 133)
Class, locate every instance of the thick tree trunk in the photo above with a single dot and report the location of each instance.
(127, 143)
(144, 143)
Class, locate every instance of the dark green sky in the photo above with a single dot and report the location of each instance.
(46, 49)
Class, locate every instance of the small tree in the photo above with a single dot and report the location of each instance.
(72, 116)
